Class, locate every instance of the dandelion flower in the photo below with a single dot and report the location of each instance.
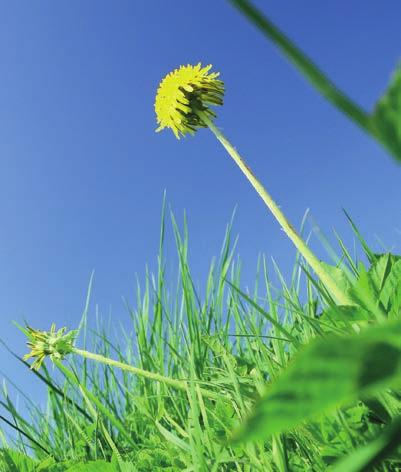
(183, 95)
(53, 343)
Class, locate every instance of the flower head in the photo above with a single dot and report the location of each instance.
(54, 344)
(185, 92)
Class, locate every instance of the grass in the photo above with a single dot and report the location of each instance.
(226, 342)
(294, 376)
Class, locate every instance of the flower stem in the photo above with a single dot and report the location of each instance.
(177, 384)
(289, 230)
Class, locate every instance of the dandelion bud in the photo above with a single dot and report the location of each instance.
(54, 344)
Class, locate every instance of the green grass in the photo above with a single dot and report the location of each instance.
(278, 377)
(230, 341)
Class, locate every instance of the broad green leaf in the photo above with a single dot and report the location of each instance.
(381, 283)
(45, 465)
(326, 374)
(386, 117)
(346, 313)
(365, 457)
(385, 275)
(395, 303)
(338, 275)
(393, 257)
(365, 293)
(379, 271)
(391, 284)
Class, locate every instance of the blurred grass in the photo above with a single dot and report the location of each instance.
(383, 124)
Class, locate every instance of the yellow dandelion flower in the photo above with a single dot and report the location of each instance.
(55, 344)
(183, 94)
(182, 104)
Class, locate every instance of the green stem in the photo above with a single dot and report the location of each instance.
(177, 384)
(289, 230)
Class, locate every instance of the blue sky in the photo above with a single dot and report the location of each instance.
(82, 173)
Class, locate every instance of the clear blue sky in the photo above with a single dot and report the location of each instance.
(82, 172)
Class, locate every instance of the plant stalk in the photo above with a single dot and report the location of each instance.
(177, 384)
(287, 227)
